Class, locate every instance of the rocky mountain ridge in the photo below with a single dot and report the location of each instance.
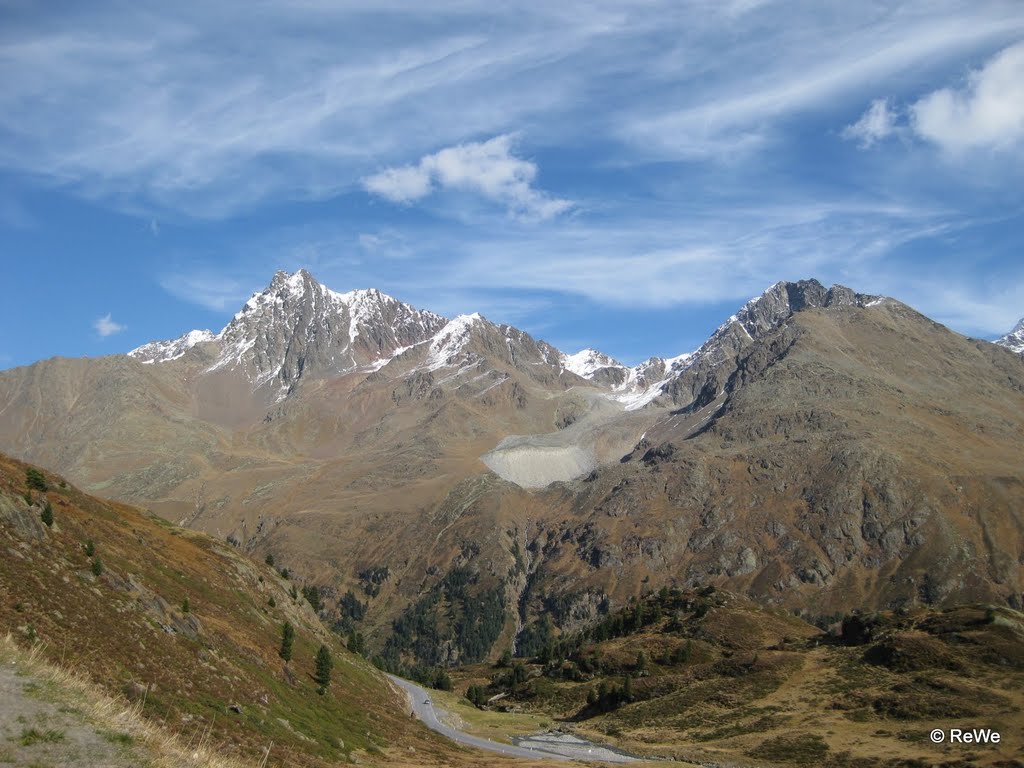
(297, 326)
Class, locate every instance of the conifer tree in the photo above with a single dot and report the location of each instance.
(97, 567)
(48, 515)
(323, 669)
(287, 638)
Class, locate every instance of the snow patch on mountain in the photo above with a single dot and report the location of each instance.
(638, 389)
(165, 351)
(449, 342)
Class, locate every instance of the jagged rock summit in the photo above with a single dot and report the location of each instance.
(297, 326)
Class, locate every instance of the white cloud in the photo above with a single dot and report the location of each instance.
(400, 185)
(486, 168)
(987, 112)
(878, 122)
(105, 326)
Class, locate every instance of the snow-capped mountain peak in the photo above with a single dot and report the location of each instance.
(587, 362)
(297, 326)
(1014, 340)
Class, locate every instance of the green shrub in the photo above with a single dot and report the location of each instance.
(36, 480)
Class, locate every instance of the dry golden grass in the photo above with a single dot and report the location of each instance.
(114, 714)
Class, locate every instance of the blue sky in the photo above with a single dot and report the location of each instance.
(618, 175)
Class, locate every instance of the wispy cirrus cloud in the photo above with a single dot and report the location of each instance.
(172, 108)
(208, 287)
(809, 64)
(487, 168)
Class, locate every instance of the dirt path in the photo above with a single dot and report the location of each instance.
(37, 729)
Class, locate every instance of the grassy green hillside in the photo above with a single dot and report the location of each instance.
(189, 631)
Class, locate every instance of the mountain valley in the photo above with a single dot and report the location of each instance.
(451, 486)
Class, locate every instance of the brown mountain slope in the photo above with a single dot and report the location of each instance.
(856, 457)
(207, 671)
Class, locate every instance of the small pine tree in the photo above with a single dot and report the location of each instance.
(287, 638)
(36, 480)
(356, 643)
(285, 573)
(294, 593)
(185, 607)
(312, 594)
(269, 560)
(48, 515)
(97, 567)
(477, 695)
(272, 602)
(323, 669)
(90, 548)
(442, 681)
(506, 659)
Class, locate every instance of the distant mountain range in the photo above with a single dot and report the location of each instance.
(822, 450)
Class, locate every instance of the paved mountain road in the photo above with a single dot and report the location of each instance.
(568, 748)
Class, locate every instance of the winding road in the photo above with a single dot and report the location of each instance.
(570, 748)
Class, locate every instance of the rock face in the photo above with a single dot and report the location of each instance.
(823, 450)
